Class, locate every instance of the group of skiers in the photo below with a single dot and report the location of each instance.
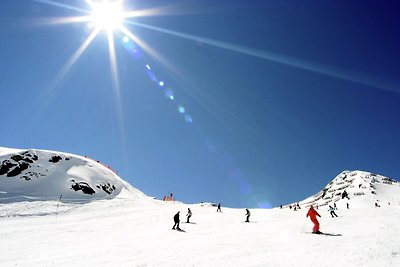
(189, 214)
(312, 213)
(177, 220)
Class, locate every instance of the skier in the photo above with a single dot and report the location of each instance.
(188, 215)
(219, 207)
(176, 220)
(345, 194)
(332, 211)
(313, 216)
(247, 215)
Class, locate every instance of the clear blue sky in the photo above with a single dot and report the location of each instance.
(278, 97)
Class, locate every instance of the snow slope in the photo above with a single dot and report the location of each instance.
(364, 189)
(47, 175)
(130, 229)
(128, 232)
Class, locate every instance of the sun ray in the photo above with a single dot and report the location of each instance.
(286, 60)
(116, 84)
(72, 60)
(150, 12)
(113, 62)
(153, 53)
(52, 3)
(62, 20)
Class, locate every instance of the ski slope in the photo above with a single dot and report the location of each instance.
(132, 229)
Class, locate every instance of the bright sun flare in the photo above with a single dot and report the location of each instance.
(107, 15)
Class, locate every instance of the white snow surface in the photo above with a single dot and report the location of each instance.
(131, 229)
(49, 175)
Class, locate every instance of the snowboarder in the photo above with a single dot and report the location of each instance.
(247, 215)
(188, 215)
(332, 211)
(176, 220)
(312, 213)
(219, 207)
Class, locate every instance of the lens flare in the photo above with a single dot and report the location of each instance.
(125, 39)
(169, 94)
(181, 109)
(188, 118)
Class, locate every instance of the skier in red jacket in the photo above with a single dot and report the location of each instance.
(313, 216)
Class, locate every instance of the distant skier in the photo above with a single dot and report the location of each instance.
(345, 194)
(219, 207)
(176, 220)
(312, 213)
(332, 211)
(347, 205)
(188, 215)
(247, 215)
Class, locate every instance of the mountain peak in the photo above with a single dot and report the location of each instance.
(357, 189)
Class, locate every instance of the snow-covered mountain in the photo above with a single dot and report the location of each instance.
(123, 227)
(358, 189)
(49, 175)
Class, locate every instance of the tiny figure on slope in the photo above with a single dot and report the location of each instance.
(347, 205)
(247, 215)
(332, 211)
(312, 213)
(188, 215)
(219, 207)
(176, 221)
(345, 194)
(377, 205)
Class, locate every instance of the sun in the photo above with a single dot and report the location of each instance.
(107, 14)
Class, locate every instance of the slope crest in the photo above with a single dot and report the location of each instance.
(46, 175)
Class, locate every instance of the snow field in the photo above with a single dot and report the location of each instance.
(137, 232)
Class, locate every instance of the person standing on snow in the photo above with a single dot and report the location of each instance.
(247, 215)
(312, 213)
(219, 207)
(176, 220)
(332, 211)
(188, 215)
(345, 194)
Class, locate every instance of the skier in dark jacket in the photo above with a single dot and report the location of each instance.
(247, 215)
(345, 194)
(219, 207)
(188, 215)
(176, 220)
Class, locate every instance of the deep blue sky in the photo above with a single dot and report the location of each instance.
(302, 91)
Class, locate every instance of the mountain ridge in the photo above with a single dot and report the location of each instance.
(45, 175)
